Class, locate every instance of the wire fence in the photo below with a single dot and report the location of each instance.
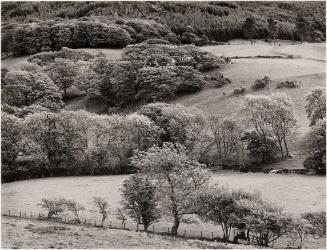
(123, 225)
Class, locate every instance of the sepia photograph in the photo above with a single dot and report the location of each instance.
(163, 124)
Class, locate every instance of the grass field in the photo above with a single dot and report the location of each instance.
(21, 233)
(297, 194)
(300, 193)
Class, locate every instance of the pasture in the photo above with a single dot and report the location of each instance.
(295, 193)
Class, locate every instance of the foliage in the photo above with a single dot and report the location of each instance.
(74, 207)
(221, 206)
(187, 55)
(271, 116)
(63, 73)
(54, 207)
(288, 84)
(266, 221)
(249, 28)
(178, 124)
(11, 135)
(22, 88)
(317, 221)
(239, 91)
(139, 200)
(227, 140)
(263, 150)
(177, 178)
(260, 84)
(316, 105)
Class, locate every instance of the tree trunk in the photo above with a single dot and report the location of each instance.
(175, 226)
(65, 92)
(286, 148)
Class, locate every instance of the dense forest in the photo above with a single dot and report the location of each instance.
(43, 26)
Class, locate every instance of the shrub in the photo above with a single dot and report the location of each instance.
(317, 222)
(260, 84)
(54, 207)
(316, 162)
(239, 91)
(74, 207)
(263, 150)
(288, 84)
(217, 80)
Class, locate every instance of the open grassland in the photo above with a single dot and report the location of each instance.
(296, 193)
(21, 233)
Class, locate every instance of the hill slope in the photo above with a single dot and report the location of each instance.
(21, 233)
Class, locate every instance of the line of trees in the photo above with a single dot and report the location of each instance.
(41, 143)
(209, 20)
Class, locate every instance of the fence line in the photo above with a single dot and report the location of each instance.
(154, 229)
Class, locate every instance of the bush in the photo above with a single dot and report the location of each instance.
(288, 84)
(216, 80)
(316, 162)
(260, 84)
(54, 207)
(239, 91)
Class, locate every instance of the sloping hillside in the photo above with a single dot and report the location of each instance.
(21, 233)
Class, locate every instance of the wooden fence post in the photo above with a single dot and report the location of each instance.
(124, 226)
(211, 235)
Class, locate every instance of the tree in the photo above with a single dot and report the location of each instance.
(57, 141)
(227, 139)
(54, 207)
(299, 231)
(103, 206)
(317, 221)
(179, 124)
(302, 26)
(273, 28)
(140, 201)
(11, 135)
(220, 206)
(265, 221)
(316, 105)
(249, 28)
(316, 147)
(63, 73)
(22, 88)
(176, 176)
(74, 207)
(271, 116)
(263, 150)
